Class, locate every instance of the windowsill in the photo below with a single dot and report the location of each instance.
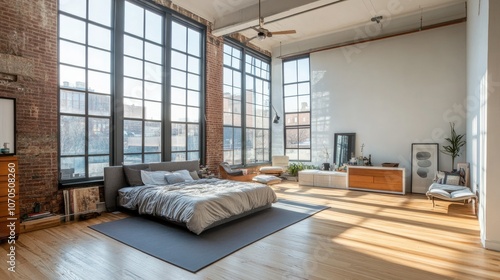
(78, 184)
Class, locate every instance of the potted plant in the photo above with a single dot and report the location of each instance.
(456, 142)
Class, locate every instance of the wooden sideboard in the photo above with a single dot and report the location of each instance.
(9, 192)
(379, 179)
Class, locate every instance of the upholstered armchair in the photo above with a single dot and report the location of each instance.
(226, 172)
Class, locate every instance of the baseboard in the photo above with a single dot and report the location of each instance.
(491, 245)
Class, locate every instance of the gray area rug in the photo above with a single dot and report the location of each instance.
(192, 252)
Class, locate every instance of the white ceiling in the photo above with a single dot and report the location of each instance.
(315, 18)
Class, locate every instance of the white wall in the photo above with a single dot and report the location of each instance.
(391, 93)
(483, 131)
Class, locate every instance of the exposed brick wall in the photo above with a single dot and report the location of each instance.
(29, 30)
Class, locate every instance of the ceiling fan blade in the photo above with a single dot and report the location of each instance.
(250, 39)
(283, 32)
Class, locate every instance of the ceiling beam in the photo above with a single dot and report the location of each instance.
(270, 10)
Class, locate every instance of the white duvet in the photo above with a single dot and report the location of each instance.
(197, 204)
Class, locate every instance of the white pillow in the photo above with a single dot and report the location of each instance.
(153, 177)
(184, 175)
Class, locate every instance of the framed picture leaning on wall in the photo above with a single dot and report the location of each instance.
(424, 165)
(7, 126)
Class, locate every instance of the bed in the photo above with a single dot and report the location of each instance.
(198, 204)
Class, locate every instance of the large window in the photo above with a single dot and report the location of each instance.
(246, 107)
(130, 91)
(297, 100)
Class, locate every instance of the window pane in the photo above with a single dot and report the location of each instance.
(153, 53)
(194, 65)
(193, 82)
(99, 60)
(132, 136)
(178, 113)
(179, 37)
(193, 114)
(293, 154)
(132, 108)
(71, 53)
(99, 82)
(304, 103)
(193, 98)
(178, 96)
(178, 137)
(154, 72)
(97, 164)
(152, 110)
(291, 104)
(131, 159)
(178, 156)
(304, 138)
(75, 7)
(303, 69)
(72, 29)
(154, 28)
(98, 136)
(72, 135)
(228, 138)
(290, 90)
(304, 88)
(179, 61)
(292, 138)
(152, 91)
(304, 119)
(152, 158)
(152, 137)
(132, 67)
(72, 77)
(134, 19)
(178, 78)
(193, 137)
(100, 11)
(99, 37)
(193, 155)
(132, 87)
(194, 42)
(290, 72)
(304, 155)
(99, 105)
(72, 167)
(132, 46)
(71, 102)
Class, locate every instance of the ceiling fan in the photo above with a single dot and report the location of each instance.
(263, 33)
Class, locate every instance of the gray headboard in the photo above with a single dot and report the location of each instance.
(114, 177)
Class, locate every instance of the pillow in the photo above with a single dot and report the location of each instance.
(452, 179)
(184, 174)
(267, 179)
(194, 175)
(133, 173)
(230, 171)
(173, 178)
(153, 177)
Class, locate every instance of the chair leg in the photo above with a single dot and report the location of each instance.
(433, 204)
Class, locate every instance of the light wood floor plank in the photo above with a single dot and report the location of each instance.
(362, 235)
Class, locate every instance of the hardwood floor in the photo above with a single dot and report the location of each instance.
(362, 236)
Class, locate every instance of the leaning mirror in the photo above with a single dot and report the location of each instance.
(344, 146)
(7, 126)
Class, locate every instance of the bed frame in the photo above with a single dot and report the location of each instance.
(114, 177)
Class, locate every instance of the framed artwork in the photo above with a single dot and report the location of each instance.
(424, 165)
(7, 126)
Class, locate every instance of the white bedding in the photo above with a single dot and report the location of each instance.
(199, 203)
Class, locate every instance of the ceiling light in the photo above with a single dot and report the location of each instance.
(377, 19)
(261, 36)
